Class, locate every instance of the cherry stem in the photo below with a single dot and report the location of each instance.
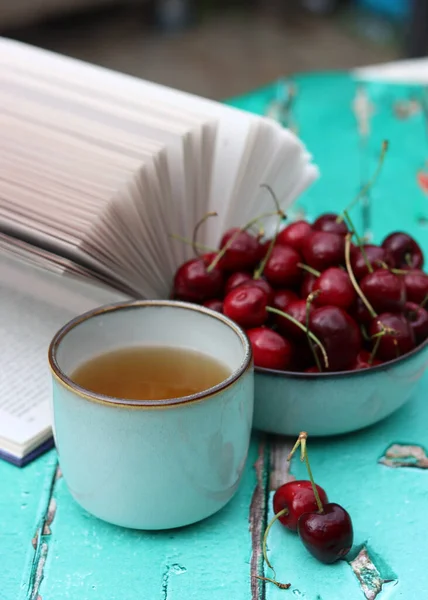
(301, 441)
(352, 276)
(358, 240)
(198, 226)
(313, 337)
(230, 241)
(375, 348)
(311, 297)
(194, 244)
(424, 301)
(309, 269)
(385, 330)
(260, 231)
(267, 187)
(363, 191)
(397, 271)
(281, 586)
(278, 515)
(365, 334)
(259, 271)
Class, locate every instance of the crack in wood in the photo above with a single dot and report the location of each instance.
(401, 455)
(279, 465)
(50, 516)
(363, 110)
(258, 521)
(272, 470)
(38, 574)
(281, 109)
(40, 541)
(174, 569)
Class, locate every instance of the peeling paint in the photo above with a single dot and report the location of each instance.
(40, 542)
(363, 110)
(35, 540)
(406, 108)
(401, 455)
(370, 579)
(174, 569)
(38, 575)
(49, 517)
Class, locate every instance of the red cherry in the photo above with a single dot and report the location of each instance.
(335, 289)
(262, 284)
(216, 305)
(323, 249)
(384, 290)
(392, 345)
(303, 357)
(236, 279)
(297, 310)
(376, 255)
(313, 369)
(264, 247)
(246, 306)
(270, 350)
(282, 298)
(416, 282)
(329, 535)
(294, 235)
(307, 285)
(282, 268)
(339, 334)
(328, 222)
(243, 253)
(418, 319)
(362, 361)
(193, 283)
(404, 250)
(298, 498)
(359, 312)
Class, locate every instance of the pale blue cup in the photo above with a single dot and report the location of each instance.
(152, 464)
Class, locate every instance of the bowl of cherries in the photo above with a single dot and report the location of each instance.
(338, 327)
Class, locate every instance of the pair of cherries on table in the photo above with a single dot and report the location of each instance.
(312, 300)
(301, 506)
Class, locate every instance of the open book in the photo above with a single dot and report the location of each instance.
(98, 170)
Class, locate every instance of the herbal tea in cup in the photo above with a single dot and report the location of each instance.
(150, 373)
(152, 400)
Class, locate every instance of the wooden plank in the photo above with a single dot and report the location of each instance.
(90, 559)
(24, 496)
(388, 507)
(377, 474)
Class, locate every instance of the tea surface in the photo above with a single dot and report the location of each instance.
(150, 373)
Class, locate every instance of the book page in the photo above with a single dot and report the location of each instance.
(33, 306)
(233, 124)
(213, 158)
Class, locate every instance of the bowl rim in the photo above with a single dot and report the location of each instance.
(343, 374)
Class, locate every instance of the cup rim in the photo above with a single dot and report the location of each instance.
(111, 401)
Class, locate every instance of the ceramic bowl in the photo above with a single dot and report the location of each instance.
(325, 404)
(152, 464)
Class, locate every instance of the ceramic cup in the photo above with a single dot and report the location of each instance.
(152, 464)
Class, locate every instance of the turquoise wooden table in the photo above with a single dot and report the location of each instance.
(52, 550)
